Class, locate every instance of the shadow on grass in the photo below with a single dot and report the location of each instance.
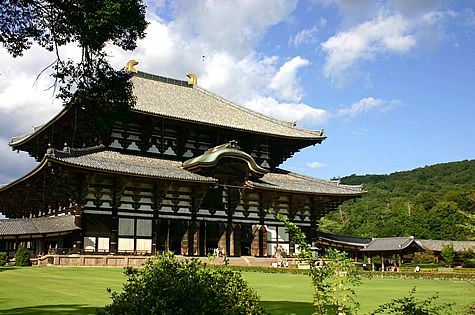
(51, 309)
(288, 308)
(8, 268)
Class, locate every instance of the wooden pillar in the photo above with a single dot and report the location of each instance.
(43, 245)
(237, 240)
(114, 237)
(382, 262)
(167, 240)
(191, 238)
(202, 239)
(229, 231)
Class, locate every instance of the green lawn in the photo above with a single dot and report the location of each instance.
(50, 290)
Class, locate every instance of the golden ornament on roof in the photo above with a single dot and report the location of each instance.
(130, 66)
(193, 79)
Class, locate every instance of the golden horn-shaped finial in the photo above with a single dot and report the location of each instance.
(130, 66)
(193, 79)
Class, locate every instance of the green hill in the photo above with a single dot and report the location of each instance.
(431, 202)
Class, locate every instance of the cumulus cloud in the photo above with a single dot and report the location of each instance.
(316, 164)
(285, 81)
(367, 104)
(363, 42)
(303, 114)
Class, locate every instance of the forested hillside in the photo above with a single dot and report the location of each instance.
(433, 202)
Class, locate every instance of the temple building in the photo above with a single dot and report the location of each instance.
(183, 170)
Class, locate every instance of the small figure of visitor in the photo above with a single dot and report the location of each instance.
(417, 269)
(395, 267)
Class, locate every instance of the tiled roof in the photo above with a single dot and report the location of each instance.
(436, 245)
(41, 225)
(292, 182)
(179, 100)
(102, 159)
(389, 244)
(350, 240)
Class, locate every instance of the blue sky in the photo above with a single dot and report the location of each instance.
(391, 82)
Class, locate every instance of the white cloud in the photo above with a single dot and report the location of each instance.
(367, 104)
(303, 37)
(315, 164)
(285, 81)
(363, 42)
(303, 114)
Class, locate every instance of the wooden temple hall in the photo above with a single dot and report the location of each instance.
(183, 170)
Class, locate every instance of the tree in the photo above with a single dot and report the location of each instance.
(333, 280)
(22, 256)
(3, 259)
(448, 254)
(169, 286)
(92, 24)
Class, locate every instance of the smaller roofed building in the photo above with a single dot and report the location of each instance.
(386, 248)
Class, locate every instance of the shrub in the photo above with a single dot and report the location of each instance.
(169, 286)
(22, 256)
(425, 257)
(408, 305)
(3, 259)
(468, 258)
(448, 254)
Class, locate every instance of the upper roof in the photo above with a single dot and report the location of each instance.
(179, 100)
(436, 245)
(40, 225)
(176, 99)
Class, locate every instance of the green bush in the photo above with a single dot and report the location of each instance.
(425, 257)
(22, 256)
(169, 286)
(468, 258)
(448, 254)
(409, 305)
(3, 259)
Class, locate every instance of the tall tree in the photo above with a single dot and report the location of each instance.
(92, 24)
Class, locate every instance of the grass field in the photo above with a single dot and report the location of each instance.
(50, 290)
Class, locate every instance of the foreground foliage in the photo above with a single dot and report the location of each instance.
(409, 305)
(333, 276)
(169, 286)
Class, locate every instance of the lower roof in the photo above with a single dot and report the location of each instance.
(40, 225)
(293, 182)
(102, 159)
(344, 240)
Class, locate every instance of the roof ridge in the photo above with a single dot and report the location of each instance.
(256, 113)
(160, 78)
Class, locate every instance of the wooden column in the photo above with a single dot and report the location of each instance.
(114, 228)
(202, 239)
